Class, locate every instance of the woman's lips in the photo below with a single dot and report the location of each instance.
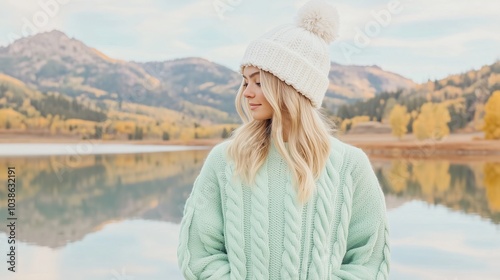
(253, 107)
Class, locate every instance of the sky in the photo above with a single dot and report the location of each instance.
(418, 39)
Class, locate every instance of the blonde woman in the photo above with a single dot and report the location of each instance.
(282, 198)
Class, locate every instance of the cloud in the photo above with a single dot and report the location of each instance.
(141, 30)
(450, 37)
(451, 45)
(428, 10)
(434, 242)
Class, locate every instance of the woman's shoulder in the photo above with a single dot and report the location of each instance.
(349, 155)
(217, 154)
(345, 149)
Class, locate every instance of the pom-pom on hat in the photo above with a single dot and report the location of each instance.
(298, 53)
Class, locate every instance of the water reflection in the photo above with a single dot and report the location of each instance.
(95, 217)
(445, 223)
(58, 207)
(472, 187)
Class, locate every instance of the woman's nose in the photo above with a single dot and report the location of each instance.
(248, 93)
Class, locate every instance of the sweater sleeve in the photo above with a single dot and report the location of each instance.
(367, 252)
(201, 251)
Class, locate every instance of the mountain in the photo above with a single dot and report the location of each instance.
(352, 82)
(52, 61)
(198, 81)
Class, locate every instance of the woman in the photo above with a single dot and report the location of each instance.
(282, 198)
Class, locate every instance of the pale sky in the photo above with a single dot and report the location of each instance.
(422, 39)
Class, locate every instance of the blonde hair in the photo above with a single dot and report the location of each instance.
(308, 139)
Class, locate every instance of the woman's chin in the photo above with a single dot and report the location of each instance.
(259, 118)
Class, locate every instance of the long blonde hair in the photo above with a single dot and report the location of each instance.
(308, 139)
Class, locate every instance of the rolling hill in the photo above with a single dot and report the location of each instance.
(52, 61)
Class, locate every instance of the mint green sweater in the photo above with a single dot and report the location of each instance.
(232, 231)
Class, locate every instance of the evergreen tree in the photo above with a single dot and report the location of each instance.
(166, 136)
(225, 134)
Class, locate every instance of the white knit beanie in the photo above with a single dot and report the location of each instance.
(298, 53)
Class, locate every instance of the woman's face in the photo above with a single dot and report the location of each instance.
(252, 91)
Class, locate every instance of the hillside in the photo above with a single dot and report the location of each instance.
(197, 81)
(23, 109)
(464, 95)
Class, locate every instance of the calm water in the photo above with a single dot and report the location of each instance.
(116, 217)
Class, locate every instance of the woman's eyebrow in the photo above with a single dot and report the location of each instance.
(251, 75)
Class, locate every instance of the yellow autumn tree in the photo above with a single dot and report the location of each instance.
(125, 127)
(37, 123)
(492, 117)
(432, 122)
(433, 177)
(398, 176)
(399, 119)
(492, 183)
(11, 119)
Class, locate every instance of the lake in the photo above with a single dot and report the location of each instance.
(116, 216)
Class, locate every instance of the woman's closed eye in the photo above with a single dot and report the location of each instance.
(246, 84)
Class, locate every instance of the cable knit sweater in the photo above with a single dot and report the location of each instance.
(233, 231)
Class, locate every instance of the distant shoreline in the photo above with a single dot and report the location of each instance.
(376, 145)
(466, 145)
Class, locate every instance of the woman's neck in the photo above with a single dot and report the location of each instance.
(285, 130)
